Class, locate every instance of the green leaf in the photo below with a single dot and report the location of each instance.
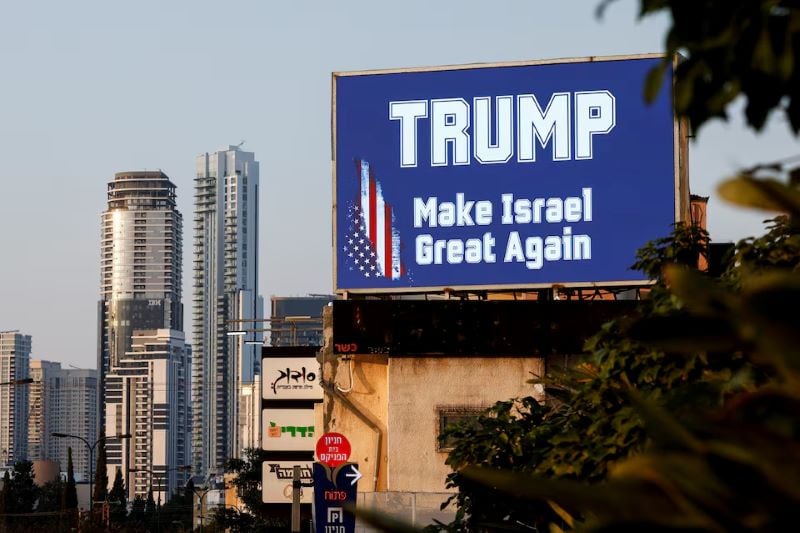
(654, 81)
(700, 294)
(662, 427)
(769, 194)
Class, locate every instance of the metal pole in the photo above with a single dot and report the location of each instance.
(91, 478)
(296, 499)
(158, 507)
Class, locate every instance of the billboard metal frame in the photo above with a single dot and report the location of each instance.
(680, 155)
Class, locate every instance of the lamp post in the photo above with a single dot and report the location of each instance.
(91, 455)
(201, 495)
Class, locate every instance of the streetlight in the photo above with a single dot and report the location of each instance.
(201, 493)
(91, 455)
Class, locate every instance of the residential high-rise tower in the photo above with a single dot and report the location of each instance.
(141, 291)
(15, 353)
(225, 301)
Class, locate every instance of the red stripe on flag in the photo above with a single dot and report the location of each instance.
(373, 215)
(387, 240)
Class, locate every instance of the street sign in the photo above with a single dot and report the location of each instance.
(277, 481)
(287, 429)
(291, 378)
(334, 490)
(333, 449)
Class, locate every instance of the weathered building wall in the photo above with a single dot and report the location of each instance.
(389, 408)
(356, 405)
(422, 388)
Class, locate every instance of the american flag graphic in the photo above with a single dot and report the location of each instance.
(372, 244)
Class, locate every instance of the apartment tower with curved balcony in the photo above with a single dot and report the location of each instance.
(140, 287)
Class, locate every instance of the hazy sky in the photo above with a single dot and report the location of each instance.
(94, 88)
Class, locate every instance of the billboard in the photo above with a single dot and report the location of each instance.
(276, 479)
(291, 378)
(500, 176)
(288, 429)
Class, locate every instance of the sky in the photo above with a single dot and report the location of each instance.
(91, 88)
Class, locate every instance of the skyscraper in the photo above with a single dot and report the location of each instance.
(62, 400)
(225, 299)
(141, 291)
(15, 353)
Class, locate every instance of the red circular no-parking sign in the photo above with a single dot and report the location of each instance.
(333, 449)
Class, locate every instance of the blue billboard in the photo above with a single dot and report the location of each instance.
(505, 176)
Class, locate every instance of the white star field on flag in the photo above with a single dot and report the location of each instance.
(358, 249)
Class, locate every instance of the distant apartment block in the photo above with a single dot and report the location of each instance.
(15, 353)
(62, 400)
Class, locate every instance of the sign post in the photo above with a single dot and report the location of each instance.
(335, 485)
(335, 490)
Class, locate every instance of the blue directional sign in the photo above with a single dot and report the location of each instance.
(500, 176)
(334, 490)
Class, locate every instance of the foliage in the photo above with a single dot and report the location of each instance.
(233, 520)
(588, 424)
(248, 478)
(256, 515)
(730, 48)
(118, 499)
(693, 405)
(137, 516)
(100, 476)
(5, 500)
(70, 490)
(178, 509)
(24, 491)
(51, 496)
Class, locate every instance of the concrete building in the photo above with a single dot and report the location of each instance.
(225, 299)
(15, 353)
(141, 276)
(396, 373)
(62, 400)
(150, 391)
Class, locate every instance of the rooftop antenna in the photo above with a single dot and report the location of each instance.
(240, 144)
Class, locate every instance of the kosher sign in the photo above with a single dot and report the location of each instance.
(291, 378)
(509, 176)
